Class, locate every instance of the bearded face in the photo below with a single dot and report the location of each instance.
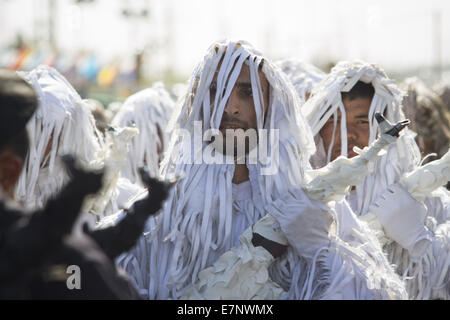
(239, 114)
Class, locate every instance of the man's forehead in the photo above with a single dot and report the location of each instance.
(360, 105)
(244, 75)
(358, 108)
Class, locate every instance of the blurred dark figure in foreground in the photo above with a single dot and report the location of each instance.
(40, 256)
(18, 102)
(92, 253)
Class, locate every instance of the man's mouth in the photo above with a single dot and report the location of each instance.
(350, 151)
(233, 126)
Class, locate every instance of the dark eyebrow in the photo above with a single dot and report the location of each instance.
(362, 116)
(245, 85)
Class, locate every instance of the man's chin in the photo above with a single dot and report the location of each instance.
(232, 151)
(229, 152)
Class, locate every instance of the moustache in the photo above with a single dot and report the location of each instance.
(234, 121)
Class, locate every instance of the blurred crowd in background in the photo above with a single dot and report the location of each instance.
(109, 50)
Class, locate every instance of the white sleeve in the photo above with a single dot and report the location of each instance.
(346, 261)
(438, 205)
(356, 269)
(432, 272)
(428, 276)
(357, 266)
(425, 269)
(403, 219)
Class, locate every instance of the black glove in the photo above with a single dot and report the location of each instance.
(122, 237)
(389, 128)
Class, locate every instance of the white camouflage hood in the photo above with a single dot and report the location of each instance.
(149, 111)
(325, 102)
(197, 217)
(304, 76)
(63, 119)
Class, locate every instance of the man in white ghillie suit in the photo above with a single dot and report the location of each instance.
(62, 124)
(400, 200)
(212, 211)
(303, 76)
(149, 111)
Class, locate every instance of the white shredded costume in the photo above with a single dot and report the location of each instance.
(409, 212)
(149, 111)
(303, 76)
(62, 124)
(207, 218)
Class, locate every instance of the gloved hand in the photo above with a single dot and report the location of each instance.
(305, 223)
(122, 237)
(403, 219)
(268, 236)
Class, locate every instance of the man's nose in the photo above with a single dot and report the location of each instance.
(352, 133)
(232, 107)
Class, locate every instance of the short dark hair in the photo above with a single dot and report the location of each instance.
(18, 102)
(359, 90)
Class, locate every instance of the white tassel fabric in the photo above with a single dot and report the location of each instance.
(149, 111)
(197, 224)
(425, 278)
(61, 125)
(303, 76)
